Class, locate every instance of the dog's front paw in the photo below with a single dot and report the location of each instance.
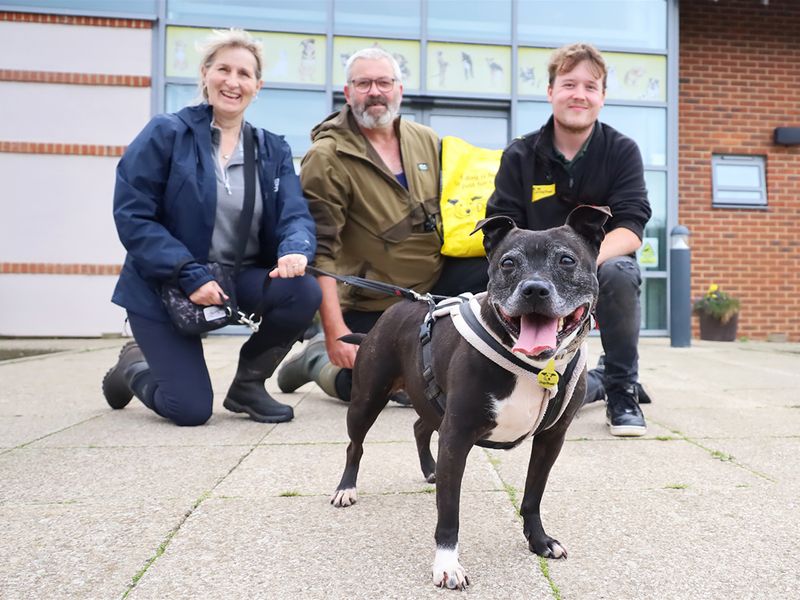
(447, 571)
(547, 547)
(345, 497)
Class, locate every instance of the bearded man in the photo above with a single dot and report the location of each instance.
(372, 182)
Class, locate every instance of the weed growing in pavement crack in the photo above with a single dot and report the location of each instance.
(723, 456)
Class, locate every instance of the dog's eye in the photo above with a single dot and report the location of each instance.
(507, 263)
(567, 260)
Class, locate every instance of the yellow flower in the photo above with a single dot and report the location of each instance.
(712, 289)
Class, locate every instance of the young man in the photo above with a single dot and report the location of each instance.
(574, 159)
(372, 182)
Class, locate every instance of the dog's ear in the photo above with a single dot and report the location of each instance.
(588, 221)
(494, 229)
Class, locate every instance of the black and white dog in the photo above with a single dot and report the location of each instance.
(494, 370)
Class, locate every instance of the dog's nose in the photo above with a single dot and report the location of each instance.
(536, 288)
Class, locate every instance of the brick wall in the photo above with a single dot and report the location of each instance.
(739, 74)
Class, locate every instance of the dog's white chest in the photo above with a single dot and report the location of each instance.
(517, 414)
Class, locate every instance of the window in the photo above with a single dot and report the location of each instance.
(472, 20)
(640, 24)
(738, 181)
(645, 126)
(356, 17)
(272, 15)
(531, 116)
(145, 9)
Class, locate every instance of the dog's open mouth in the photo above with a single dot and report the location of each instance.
(537, 334)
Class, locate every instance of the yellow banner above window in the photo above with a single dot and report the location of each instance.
(630, 76)
(288, 57)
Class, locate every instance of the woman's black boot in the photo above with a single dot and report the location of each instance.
(247, 393)
(117, 381)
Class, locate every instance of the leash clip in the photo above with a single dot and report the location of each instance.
(249, 321)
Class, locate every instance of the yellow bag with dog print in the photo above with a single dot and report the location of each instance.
(467, 182)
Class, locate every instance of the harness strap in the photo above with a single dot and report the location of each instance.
(554, 410)
(433, 392)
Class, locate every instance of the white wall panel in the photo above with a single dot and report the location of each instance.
(75, 48)
(58, 305)
(75, 114)
(58, 209)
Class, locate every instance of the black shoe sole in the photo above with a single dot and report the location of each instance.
(234, 406)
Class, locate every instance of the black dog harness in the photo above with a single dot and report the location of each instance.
(464, 310)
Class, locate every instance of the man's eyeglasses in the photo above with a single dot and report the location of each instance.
(384, 84)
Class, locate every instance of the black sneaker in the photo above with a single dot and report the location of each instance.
(623, 415)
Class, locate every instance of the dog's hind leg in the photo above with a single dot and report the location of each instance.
(422, 434)
(365, 406)
(546, 449)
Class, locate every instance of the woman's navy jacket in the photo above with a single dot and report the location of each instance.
(165, 202)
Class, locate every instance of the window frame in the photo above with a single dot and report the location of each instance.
(718, 188)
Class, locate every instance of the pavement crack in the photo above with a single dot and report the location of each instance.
(52, 433)
(716, 454)
(511, 492)
(174, 531)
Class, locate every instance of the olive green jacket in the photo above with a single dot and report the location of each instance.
(368, 224)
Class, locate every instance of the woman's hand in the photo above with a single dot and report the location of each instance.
(291, 265)
(208, 294)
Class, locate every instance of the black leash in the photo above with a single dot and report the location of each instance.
(379, 286)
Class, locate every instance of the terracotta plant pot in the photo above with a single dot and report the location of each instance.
(713, 330)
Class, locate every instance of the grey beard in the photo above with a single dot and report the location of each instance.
(367, 121)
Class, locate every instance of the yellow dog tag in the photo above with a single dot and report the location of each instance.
(548, 377)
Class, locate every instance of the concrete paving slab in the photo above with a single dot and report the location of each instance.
(20, 429)
(586, 466)
(658, 544)
(103, 475)
(725, 421)
(724, 366)
(76, 550)
(137, 427)
(776, 458)
(56, 383)
(302, 548)
(315, 469)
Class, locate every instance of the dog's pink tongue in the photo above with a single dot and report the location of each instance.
(536, 334)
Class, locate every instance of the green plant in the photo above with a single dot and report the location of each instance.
(717, 304)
